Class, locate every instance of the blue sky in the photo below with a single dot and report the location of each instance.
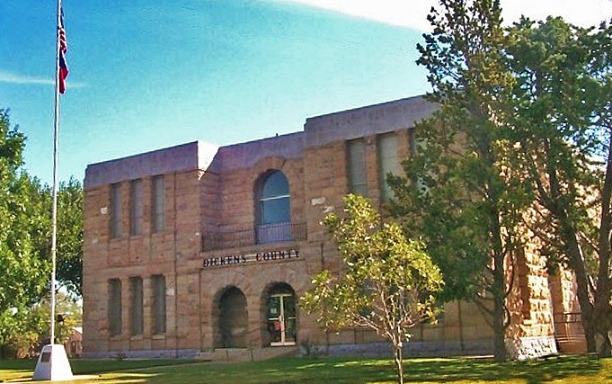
(150, 74)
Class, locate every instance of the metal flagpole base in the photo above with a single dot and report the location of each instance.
(53, 364)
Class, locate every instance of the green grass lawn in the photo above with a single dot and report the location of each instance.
(581, 370)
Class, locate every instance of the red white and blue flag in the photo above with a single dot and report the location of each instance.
(63, 48)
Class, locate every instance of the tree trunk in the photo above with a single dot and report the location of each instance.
(398, 362)
(499, 329)
(582, 284)
(602, 320)
(498, 289)
(602, 307)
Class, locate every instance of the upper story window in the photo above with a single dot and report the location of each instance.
(158, 190)
(412, 141)
(115, 210)
(136, 209)
(273, 208)
(388, 162)
(356, 167)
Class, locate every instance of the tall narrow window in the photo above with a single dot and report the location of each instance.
(412, 144)
(157, 203)
(115, 211)
(414, 148)
(114, 307)
(136, 318)
(158, 307)
(388, 162)
(356, 167)
(136, 209)
(274, 208)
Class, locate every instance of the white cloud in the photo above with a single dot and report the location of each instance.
(413, 14)
(13, 78)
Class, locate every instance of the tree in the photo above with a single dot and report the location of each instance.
(70, 236)
(24, 271)
(389, 283)
(25, 243)
(460, 194)
(563, 126)
(69, 230)
(25, 331)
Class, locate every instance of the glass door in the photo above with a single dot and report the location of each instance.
(281, 319)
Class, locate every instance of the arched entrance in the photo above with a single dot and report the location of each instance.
(281, 322)
(233, 319)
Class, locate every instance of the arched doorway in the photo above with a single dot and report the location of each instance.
(233, 319)
(281, 319)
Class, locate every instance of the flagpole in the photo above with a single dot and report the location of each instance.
(53, 362)
(55, 172)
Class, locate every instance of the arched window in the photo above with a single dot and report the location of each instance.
(273, 208)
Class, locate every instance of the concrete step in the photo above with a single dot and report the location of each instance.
(235, 355)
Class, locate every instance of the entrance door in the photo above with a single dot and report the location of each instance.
(233, 319)
(281, 319)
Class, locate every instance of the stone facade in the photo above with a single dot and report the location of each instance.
(208, 263)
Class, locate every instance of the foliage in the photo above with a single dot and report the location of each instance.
(563, 128)
(26, 330)
(461, 195)
(388, 285)
(24, 271)
(575, 370)
(25, 243)
(70, 236)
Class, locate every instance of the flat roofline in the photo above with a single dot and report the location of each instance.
(411, 99)
(182, 157)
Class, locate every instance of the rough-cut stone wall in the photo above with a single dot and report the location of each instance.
(209, 245)
(145, 255)
(568, 327)
(531, 330)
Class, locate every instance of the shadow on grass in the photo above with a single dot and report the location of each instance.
(533, 372)
(370, 371)
(345, 371)
(467, 370)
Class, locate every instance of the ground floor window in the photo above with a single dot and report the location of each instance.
(114, 307)
(136, 301)
(158, 307)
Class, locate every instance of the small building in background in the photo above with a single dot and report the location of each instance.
(74, 344)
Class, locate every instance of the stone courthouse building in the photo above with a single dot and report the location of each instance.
(202, 251)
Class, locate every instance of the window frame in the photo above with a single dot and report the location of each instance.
(115, 211)
(356, 166)
(136, 306)
(114, 309)
(387, 164)
(158, 203)
(158, 305)
(136, 207)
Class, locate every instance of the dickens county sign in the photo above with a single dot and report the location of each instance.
(258, 257)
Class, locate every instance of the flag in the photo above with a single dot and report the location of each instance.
(63, 48)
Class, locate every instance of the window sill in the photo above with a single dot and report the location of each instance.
(159, 336)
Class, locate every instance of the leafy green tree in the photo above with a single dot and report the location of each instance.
(389, 284)
(23, 269)
(563, 126)
(26, 330)
(69, 230)
(460, 194)
(24, 272)
(70, 236)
